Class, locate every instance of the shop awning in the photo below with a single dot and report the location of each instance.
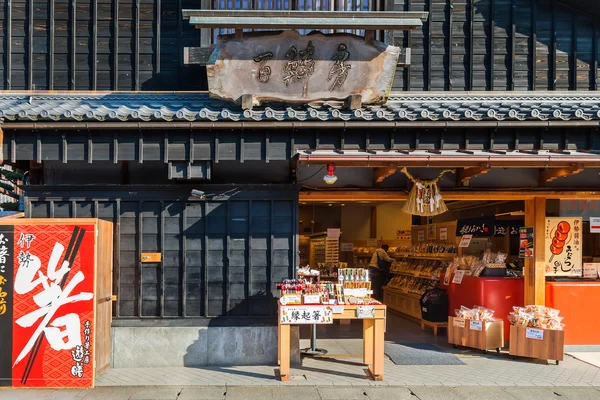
(452, 159)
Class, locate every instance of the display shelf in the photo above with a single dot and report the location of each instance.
(422, 276)
(405, 303)
(433, 258)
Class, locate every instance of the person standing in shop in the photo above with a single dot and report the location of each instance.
(378, 270)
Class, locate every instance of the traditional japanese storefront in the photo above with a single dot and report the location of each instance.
(215, 254)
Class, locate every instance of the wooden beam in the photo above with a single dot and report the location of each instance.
(548, 175)
(464, 175)
(437, 161)
(534, 273)
(381, 173)
(346, 196)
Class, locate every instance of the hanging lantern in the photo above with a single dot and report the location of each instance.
(330, 177)
(425, 198)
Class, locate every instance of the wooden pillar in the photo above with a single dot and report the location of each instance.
(534, 273)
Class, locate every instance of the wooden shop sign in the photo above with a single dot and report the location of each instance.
(293, 68)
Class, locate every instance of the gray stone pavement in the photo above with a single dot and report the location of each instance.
(479, 370)
(307, 393)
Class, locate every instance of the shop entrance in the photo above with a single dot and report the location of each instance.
(346, 235)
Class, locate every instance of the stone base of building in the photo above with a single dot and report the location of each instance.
(146, 347)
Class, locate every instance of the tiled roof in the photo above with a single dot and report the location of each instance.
(405, 106)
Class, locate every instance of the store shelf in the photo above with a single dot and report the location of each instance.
(422, 276)
(399, 291)
(405, 303)
(434, 258)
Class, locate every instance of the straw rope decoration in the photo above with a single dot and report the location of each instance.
(425, 198)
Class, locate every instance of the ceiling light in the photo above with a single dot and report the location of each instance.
(330, 178)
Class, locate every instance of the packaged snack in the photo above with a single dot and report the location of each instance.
(536, 316)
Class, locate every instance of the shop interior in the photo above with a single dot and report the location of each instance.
(422, 249)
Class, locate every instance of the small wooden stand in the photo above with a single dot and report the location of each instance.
(461, 332)
(550, 346)
(434, 325)
(373, 341)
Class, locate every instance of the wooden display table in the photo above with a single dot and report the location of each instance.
(373, 337)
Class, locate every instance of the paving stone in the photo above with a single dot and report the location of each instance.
(39, 394)
(296, 393)
(205, 393)
(578, 393)
(389, 393)
(462, 393)
(531, 393)
(341, 393)
(156, 393)
(110, 393)
(249, 393)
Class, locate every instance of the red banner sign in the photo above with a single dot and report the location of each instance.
(52, 305)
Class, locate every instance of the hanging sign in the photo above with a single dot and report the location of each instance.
(333, 233)
(594, 224)
(507, 227)
(465, 241)
(421, 236)
(294, 68)
(526, 242)
(305, 315)
(444, 233)
(347, 247)
(371, 242)
(475, 226)
(591, 270)
(563, 246)
(431, 231)
(458, 277)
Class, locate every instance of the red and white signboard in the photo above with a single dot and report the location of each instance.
(51, 305)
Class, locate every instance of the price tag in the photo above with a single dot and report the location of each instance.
(347, 247)
(421, 236)
(532, 333)
(312, 299)
(458, 277)
(337, 309)
(590, 270)
(459, 322)
(365, 312)
(444, 233)
(465, 240)
(594, 224)
(476, 325)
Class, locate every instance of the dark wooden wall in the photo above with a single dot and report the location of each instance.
(138, 44)
(500, 45)
(219, 257)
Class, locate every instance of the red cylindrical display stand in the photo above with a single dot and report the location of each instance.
(498, 294)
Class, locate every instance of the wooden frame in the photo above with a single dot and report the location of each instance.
(550, 347)
(373, 341)
(491, 337)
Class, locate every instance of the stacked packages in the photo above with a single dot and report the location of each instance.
(476, 313)
(536, 317)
